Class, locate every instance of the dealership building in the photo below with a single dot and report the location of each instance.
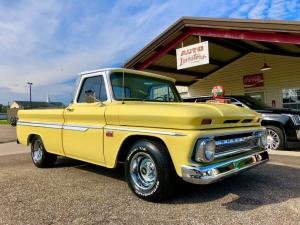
(260, 58)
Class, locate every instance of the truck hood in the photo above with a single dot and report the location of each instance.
(180, 115)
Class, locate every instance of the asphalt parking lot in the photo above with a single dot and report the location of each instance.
(78, 193)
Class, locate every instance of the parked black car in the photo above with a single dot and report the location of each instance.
(283, 125)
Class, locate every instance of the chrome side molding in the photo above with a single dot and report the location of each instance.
(73, 127)
(84, 128)
(39, 124)
(144, 131)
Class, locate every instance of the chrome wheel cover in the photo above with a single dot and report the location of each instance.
(273, 140)
(37, 151)
(143, 171)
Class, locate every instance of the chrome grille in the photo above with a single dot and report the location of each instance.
(236, 144)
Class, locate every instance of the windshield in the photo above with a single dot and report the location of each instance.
(252, 103)
(144, 88)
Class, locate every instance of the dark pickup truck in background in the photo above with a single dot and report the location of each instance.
(283, 125)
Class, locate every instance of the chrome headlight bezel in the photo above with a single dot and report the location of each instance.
(264, 139)
(205, 150)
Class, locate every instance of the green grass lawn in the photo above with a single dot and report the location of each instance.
(3, 122)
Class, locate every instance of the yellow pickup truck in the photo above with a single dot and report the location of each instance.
(138, 118)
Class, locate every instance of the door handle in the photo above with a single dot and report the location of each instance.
(70, 109)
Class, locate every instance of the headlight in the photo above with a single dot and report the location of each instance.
(264, 139)
(205, 150)
(294, 118)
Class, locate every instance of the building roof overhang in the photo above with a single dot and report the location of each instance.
(229, 40)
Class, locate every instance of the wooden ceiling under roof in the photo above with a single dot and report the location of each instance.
(229, 40)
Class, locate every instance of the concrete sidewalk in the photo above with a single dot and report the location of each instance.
(285, 153)
(13, 148)
(7, 134)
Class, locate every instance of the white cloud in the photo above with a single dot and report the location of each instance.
(49, 42)
(30, 50)
(258, 11)
(273, 9)
(277, 9)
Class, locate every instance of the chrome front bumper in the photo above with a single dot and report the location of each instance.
(218, 171)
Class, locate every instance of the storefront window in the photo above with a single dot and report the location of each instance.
(291, 98)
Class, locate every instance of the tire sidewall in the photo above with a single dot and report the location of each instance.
(39, 163)
(280, 134)
(156, 155)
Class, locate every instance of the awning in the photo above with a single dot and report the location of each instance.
(229, 40)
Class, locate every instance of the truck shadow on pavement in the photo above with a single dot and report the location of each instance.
(264, 185)
(116, 173)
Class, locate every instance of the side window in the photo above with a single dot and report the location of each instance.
(95, 85)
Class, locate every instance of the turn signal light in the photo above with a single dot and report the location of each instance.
(206, 121)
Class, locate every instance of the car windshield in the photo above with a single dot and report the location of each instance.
(143, 88)
(252, 103)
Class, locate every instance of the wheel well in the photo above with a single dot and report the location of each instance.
(271, 123)
(30, 138)
(131, 140)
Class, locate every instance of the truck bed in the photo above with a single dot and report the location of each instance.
(38, 119)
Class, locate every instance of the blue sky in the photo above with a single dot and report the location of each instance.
(49, 42)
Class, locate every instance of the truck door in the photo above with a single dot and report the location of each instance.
(84, 122)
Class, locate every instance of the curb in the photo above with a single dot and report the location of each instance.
(285, 153)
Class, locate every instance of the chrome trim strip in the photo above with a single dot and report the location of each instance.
(74, 127)
(81, 128)
(144, 131)
(38, 124)
(84, 128)
(205, 175)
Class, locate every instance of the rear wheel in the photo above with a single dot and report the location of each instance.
(149, 171)
(275, 138)
(40, 157)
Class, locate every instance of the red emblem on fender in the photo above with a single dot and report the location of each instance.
(109, 133)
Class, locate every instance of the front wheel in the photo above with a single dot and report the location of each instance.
(275, 138)
(40, 157)
(148, 171)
